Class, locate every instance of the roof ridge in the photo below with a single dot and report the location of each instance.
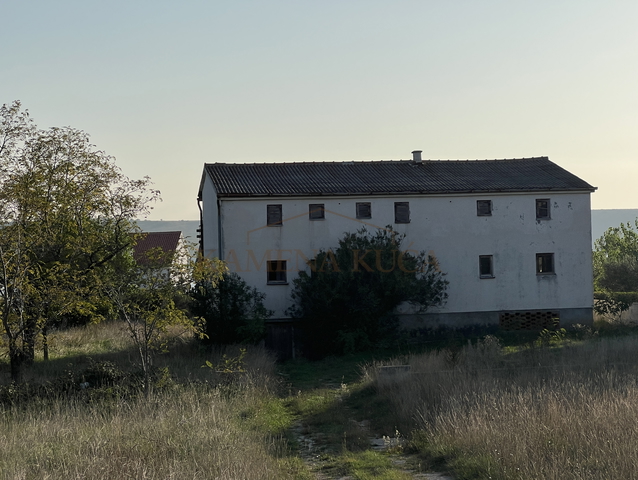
(351, 162)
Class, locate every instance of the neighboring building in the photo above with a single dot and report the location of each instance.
(146, 242)
(513, 236)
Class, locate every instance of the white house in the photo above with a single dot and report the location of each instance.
(513, 236)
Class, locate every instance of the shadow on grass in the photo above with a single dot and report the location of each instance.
(116, 374)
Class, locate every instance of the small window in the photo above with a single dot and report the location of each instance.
(273, 215)
(401, 212)
(484, 208)
(486, 266)
(317, 211)
(277, 271)
(364, 210)
(544, 263)
(542, 209)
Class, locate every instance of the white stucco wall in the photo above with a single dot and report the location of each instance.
(210, 223)
(444, 225)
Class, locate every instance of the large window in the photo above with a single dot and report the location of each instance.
(484, 208)
(276, 272)
(401, 212)
(542, 209)
(364, 210)
(486, 266)
(317, 212)
(273, 215)
(545, 263)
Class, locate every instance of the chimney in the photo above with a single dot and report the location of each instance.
(416, 156)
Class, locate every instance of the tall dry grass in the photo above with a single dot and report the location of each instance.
(539, 413)
(77, 348)
(196, 426)
(186, 435)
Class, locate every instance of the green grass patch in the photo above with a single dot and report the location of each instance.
(330, 372)
(368, 465)
(268, 415)
(442, 455)
(295, 468)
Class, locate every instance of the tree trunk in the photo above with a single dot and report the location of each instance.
(17, 359)
(29, 337)
(45, 343)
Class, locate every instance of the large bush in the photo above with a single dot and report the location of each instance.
(346, 302)
(233, 311)
(616, 269)
(616, 259)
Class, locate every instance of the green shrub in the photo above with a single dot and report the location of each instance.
(613, 304)
(233, 311)
(347, 302)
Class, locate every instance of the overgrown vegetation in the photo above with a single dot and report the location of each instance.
(151, 296)
(66, 214)
(616, 270)
(557, 408)
(67, 231)
(347, 301)
(85, 414)
(233, 312)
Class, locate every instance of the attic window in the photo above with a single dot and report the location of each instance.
(273, 215)
(544, 263)
(364, 210)
(484, 208)
(277, 272)
(317, 211)
(401, 212)
(542, 209)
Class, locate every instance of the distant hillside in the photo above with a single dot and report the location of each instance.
(601, 220)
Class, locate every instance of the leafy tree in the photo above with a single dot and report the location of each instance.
(346, 302)
(616, 268)
(66, 213)
(233, 311)
(150, 295)
(619, 275)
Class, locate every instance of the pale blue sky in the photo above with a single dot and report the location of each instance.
(167, 86)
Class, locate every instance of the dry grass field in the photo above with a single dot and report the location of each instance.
(556, 409)
(197, 424)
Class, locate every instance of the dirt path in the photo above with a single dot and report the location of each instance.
(318, 453)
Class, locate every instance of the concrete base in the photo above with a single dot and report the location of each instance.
(453, 320)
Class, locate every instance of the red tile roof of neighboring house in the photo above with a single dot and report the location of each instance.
(167, 241)
(391, 177)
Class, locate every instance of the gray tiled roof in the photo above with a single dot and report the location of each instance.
(391, 177)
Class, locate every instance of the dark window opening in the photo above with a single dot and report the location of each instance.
(484, 208)
(542, 208)
(364, 210)
(277, 271)
(317, 212)
(273, 215)
(545, 263)
(401, 212)
(486, 269)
